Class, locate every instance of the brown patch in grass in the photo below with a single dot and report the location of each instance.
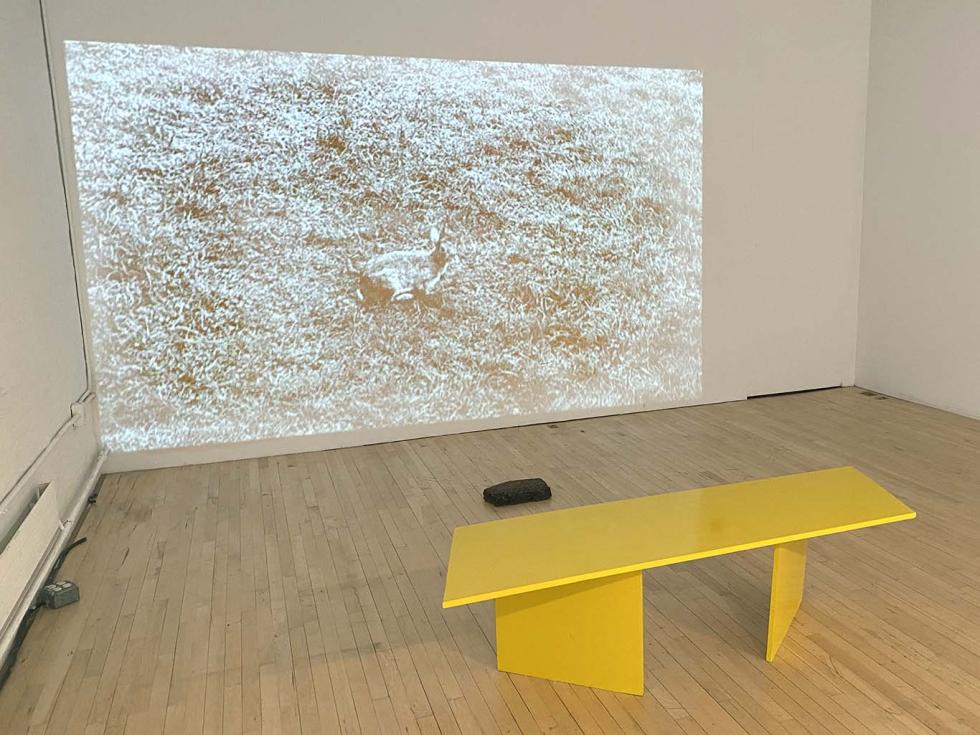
(332, 143)
(649, 212)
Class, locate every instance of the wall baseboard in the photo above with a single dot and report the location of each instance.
(800, 390)
(904, 396)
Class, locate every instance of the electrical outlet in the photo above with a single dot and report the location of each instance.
(60, 593)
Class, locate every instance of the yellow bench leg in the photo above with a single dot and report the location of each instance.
(788, 570)
(588, 633)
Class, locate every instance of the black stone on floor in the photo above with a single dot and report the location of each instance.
(517, 491)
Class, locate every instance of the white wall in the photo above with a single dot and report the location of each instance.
(919, 334)
(42, 367)
(809, 61)
(784, 91)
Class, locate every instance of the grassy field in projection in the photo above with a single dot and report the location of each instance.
(236, 205)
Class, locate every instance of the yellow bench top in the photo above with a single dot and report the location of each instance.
(516, 555)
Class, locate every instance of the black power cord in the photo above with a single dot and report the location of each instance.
(62, 556)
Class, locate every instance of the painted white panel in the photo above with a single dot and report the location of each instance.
(919, 332)
(25, 550)
(42, 370)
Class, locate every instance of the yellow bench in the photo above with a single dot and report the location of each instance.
(568, 583)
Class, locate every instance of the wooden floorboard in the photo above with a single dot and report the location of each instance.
(301, 593)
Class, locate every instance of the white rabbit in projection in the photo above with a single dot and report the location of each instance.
(404, 274)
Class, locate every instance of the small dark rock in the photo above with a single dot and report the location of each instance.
(517, 491)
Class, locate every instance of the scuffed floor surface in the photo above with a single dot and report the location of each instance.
(302, 593)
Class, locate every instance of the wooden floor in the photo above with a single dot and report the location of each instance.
(302, 593)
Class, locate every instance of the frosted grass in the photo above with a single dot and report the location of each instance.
(230, 199)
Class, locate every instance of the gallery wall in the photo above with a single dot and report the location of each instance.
(919, 332)
(784, 101)
(49, 434)
(42, 366)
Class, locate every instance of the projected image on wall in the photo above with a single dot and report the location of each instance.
(282, 244)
